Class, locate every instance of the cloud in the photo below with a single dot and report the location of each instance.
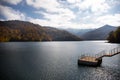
(73, 1)
(94, 6)
(114, 2)
(61, 15)
(11, 14)
(49, 5)
(64, 24)
(62, 18)
(109, 19)
(39, 21)
(55, 14)
(14, 2)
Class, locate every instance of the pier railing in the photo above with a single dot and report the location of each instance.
(111, 53)
(103, 53)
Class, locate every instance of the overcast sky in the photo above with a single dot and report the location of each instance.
(79, 14)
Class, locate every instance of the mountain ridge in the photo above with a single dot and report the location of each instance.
(78, 32)
(16, 30)
(99, 33)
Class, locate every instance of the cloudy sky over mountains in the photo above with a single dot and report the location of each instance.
(63, 13)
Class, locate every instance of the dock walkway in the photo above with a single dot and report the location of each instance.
(96, 60)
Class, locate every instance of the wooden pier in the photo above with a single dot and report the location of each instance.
(96, 60)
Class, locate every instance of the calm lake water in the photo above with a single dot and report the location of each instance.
(55, 61)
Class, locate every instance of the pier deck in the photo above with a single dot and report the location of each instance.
(89, 61)
(88, 58)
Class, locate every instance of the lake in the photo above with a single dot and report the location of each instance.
(56, 61)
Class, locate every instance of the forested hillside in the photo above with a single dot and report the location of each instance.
(26, 31)
(114, 36)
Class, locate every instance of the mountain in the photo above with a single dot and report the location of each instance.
(78, 32)
(99, 34)
(73, 31)
(83, 31)
(62, 35)
(25, 31)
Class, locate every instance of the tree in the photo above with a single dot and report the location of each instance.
(114, 36)
(117, 32)
(111, 37)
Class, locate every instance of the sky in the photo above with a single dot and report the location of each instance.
(77, 14)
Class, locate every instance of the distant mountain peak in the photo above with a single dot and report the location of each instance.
(107, 25)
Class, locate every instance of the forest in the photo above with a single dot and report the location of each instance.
(114, 36)
(25, 31)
